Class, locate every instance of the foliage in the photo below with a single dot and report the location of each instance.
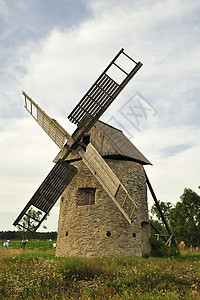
(16, 235)
(30, 221)
(160, 249)
(159, 226)
(156, 217)
(165, 207)
(183, 218)
(37, 275)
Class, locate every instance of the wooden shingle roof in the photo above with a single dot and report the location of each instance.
(122, 145)
(110, 142)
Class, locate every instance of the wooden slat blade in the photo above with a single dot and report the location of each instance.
(55, 131)
(49, 191)
(101, 94)
(109, 181)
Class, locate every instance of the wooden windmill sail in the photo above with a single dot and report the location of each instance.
(98, 98)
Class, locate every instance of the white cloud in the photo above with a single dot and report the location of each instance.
(174, 153)
(69, 61)
(27, 155)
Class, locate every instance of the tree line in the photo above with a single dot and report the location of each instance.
(17, 235)
(183, 218)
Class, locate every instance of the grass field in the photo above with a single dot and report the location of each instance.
(30, 244)
(36, 274)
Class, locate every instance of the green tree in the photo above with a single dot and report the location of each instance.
(156, 219)
(29, 222)
(185, 218)
(166, 208)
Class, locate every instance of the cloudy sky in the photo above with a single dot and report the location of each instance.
(55, 49)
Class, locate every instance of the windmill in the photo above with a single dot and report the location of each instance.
(85, 115)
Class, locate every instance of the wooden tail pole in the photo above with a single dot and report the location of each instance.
(159, 209)
(157, 230)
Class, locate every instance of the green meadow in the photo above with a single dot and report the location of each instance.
(37, 274)
(30, 244)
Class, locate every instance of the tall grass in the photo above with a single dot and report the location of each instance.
(35, 275)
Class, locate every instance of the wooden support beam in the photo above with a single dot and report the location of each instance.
(157, 230)
(159, 209)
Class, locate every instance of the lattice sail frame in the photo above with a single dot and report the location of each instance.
(48, 193)
(55, 131)
(101, 94)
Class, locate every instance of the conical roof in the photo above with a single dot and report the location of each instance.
(121, 143)
(110, 142)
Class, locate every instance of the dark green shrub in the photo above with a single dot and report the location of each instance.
(160, 249)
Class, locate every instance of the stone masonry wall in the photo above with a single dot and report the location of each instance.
(101, 229)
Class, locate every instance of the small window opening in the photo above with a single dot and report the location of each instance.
(86, 196)
(108, 233)
(134, 234)
(86, 139)
(66, 234)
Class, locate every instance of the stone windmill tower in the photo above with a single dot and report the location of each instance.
(98, 173)
(90, 223)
